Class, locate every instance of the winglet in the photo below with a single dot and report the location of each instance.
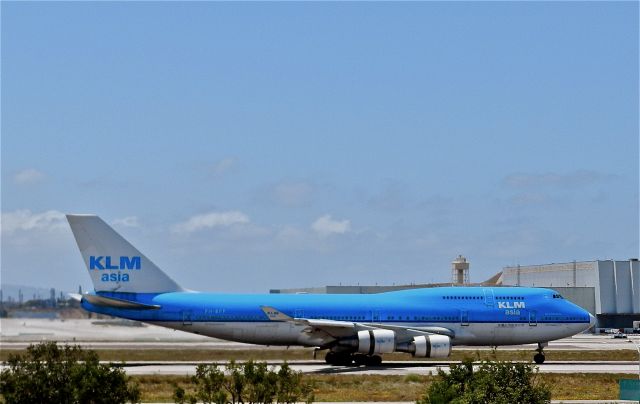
(275, 314)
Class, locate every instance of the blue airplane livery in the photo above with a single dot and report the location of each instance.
(354, 329)
(125, 262)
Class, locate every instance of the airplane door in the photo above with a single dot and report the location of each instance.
(488, 297)
(464, 317)
(533, 318)
(186, 317)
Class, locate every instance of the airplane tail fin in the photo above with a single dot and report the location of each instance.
(113, 263)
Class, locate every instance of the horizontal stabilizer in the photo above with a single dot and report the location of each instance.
(75, 296)
(118, 303)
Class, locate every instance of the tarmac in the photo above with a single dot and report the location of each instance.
(397, 368)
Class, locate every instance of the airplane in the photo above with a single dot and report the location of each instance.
(354, 329)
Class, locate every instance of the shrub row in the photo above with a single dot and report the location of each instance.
(249, 383)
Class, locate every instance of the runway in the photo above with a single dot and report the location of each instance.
(387, 368)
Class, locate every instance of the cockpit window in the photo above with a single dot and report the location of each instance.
(558, 296)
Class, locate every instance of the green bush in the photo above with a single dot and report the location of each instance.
(249, 382)
(210, 382)
(51, 374)
(180, 396)
(493, 382)
(291, 387)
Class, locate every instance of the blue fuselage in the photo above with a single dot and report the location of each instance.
(477, 315)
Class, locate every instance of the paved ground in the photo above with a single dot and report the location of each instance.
(387, 368)
(87, 330)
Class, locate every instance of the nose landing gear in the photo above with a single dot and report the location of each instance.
(539, 357)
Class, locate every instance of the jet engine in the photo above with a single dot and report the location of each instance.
(371, 342)
(430, 346)
(376, 341)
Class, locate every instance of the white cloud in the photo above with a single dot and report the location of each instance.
(129, 221)
(28, 176)
(26, 220)
(325, 226)
(211, 220)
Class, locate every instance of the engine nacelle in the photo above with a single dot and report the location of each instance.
(376, 341)
(431, 346)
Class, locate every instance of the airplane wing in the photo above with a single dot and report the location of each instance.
(339, 329)
(330, 328)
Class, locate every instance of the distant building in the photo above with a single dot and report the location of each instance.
(460, 276)
(609, 289)
(460, 271)
(52, 297)
(350, 289)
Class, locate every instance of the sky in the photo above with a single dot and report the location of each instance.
(249, 146)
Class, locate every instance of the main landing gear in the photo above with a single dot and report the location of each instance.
(348, 359)
(539, 357)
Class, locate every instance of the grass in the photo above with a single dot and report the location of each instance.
(326, 387)
(213, 355)
(583, 386)
(340, 388)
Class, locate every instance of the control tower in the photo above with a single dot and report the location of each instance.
(460, 271)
